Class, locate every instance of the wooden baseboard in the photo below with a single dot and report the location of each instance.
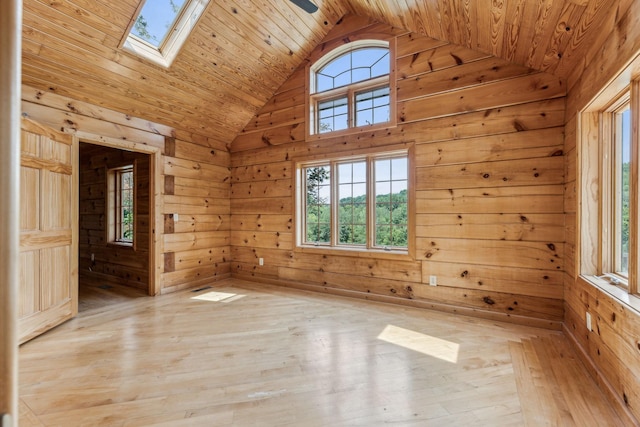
(616, 402)
(96, 278)
(447, 308)
(195, 283)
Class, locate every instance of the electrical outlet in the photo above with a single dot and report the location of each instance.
(588, 318)
(433, 281)
(176, 217)
(261, 261)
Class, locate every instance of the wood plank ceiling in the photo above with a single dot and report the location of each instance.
(243, 50)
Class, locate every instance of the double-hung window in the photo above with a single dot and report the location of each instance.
(359, 202)
(350, 88)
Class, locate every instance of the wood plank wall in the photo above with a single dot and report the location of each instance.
(112, 263)
(490, 171)
(612, 349)
(194, 173)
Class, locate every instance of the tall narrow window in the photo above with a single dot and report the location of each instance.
(622, 194)
(391, 202)
(352, 200)
(318, 204)
(121, 204)
(359, 203)
(614, 158)
(350, 88)
(609, 189)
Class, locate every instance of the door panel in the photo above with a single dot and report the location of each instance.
(48, 230)
(29, 199)
(56, 191)
(28, 298)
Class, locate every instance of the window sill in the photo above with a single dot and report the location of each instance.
(353, 130)
(632, 302)
(355, 252)
(121, 244)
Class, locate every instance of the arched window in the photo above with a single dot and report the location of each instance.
(350, 88)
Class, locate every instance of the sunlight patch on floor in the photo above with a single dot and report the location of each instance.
(425, 344)
(218, 297)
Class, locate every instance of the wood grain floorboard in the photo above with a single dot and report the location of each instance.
(246, 354)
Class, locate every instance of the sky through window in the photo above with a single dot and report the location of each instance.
(156, 20)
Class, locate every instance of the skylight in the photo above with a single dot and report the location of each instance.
(156, 19)
(162, 27)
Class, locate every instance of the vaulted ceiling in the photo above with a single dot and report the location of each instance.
(243, 50)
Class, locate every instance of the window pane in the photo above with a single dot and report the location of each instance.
(383, 192)
(372, 106)
(623, 143)
(383, 213)
(359, 190)
(381, 66)
(360, 235)
(381, 114)
(323, 82)
(364, 118)
(345, 213)
(352, 67)
(345, 192)
(383, 170)
(318, 204)
(124, 233)
(344, 172)
(324, 213)
(399, 185)
(324, 233)
(360, 172)
(352, 215)
(391, 202)
(383, 235)
(399, 237)
(156, 20)
(332, 115)
(399, 168)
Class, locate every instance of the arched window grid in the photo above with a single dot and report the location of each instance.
(353, 71)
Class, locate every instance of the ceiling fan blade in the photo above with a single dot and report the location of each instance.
(305, 5)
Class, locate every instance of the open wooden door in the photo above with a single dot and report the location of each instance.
(48, 293)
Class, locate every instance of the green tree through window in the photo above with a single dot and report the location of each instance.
(384, 199)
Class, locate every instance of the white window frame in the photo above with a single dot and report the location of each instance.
(350, 91)
(370, 247)
(170, 46)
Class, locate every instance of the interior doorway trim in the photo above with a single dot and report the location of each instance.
(155, 198)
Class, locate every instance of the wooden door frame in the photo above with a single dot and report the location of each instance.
(10, 58)
(155, 198)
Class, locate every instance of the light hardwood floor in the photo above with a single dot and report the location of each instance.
(247, 354)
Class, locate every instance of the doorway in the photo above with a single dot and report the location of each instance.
(115, 256)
